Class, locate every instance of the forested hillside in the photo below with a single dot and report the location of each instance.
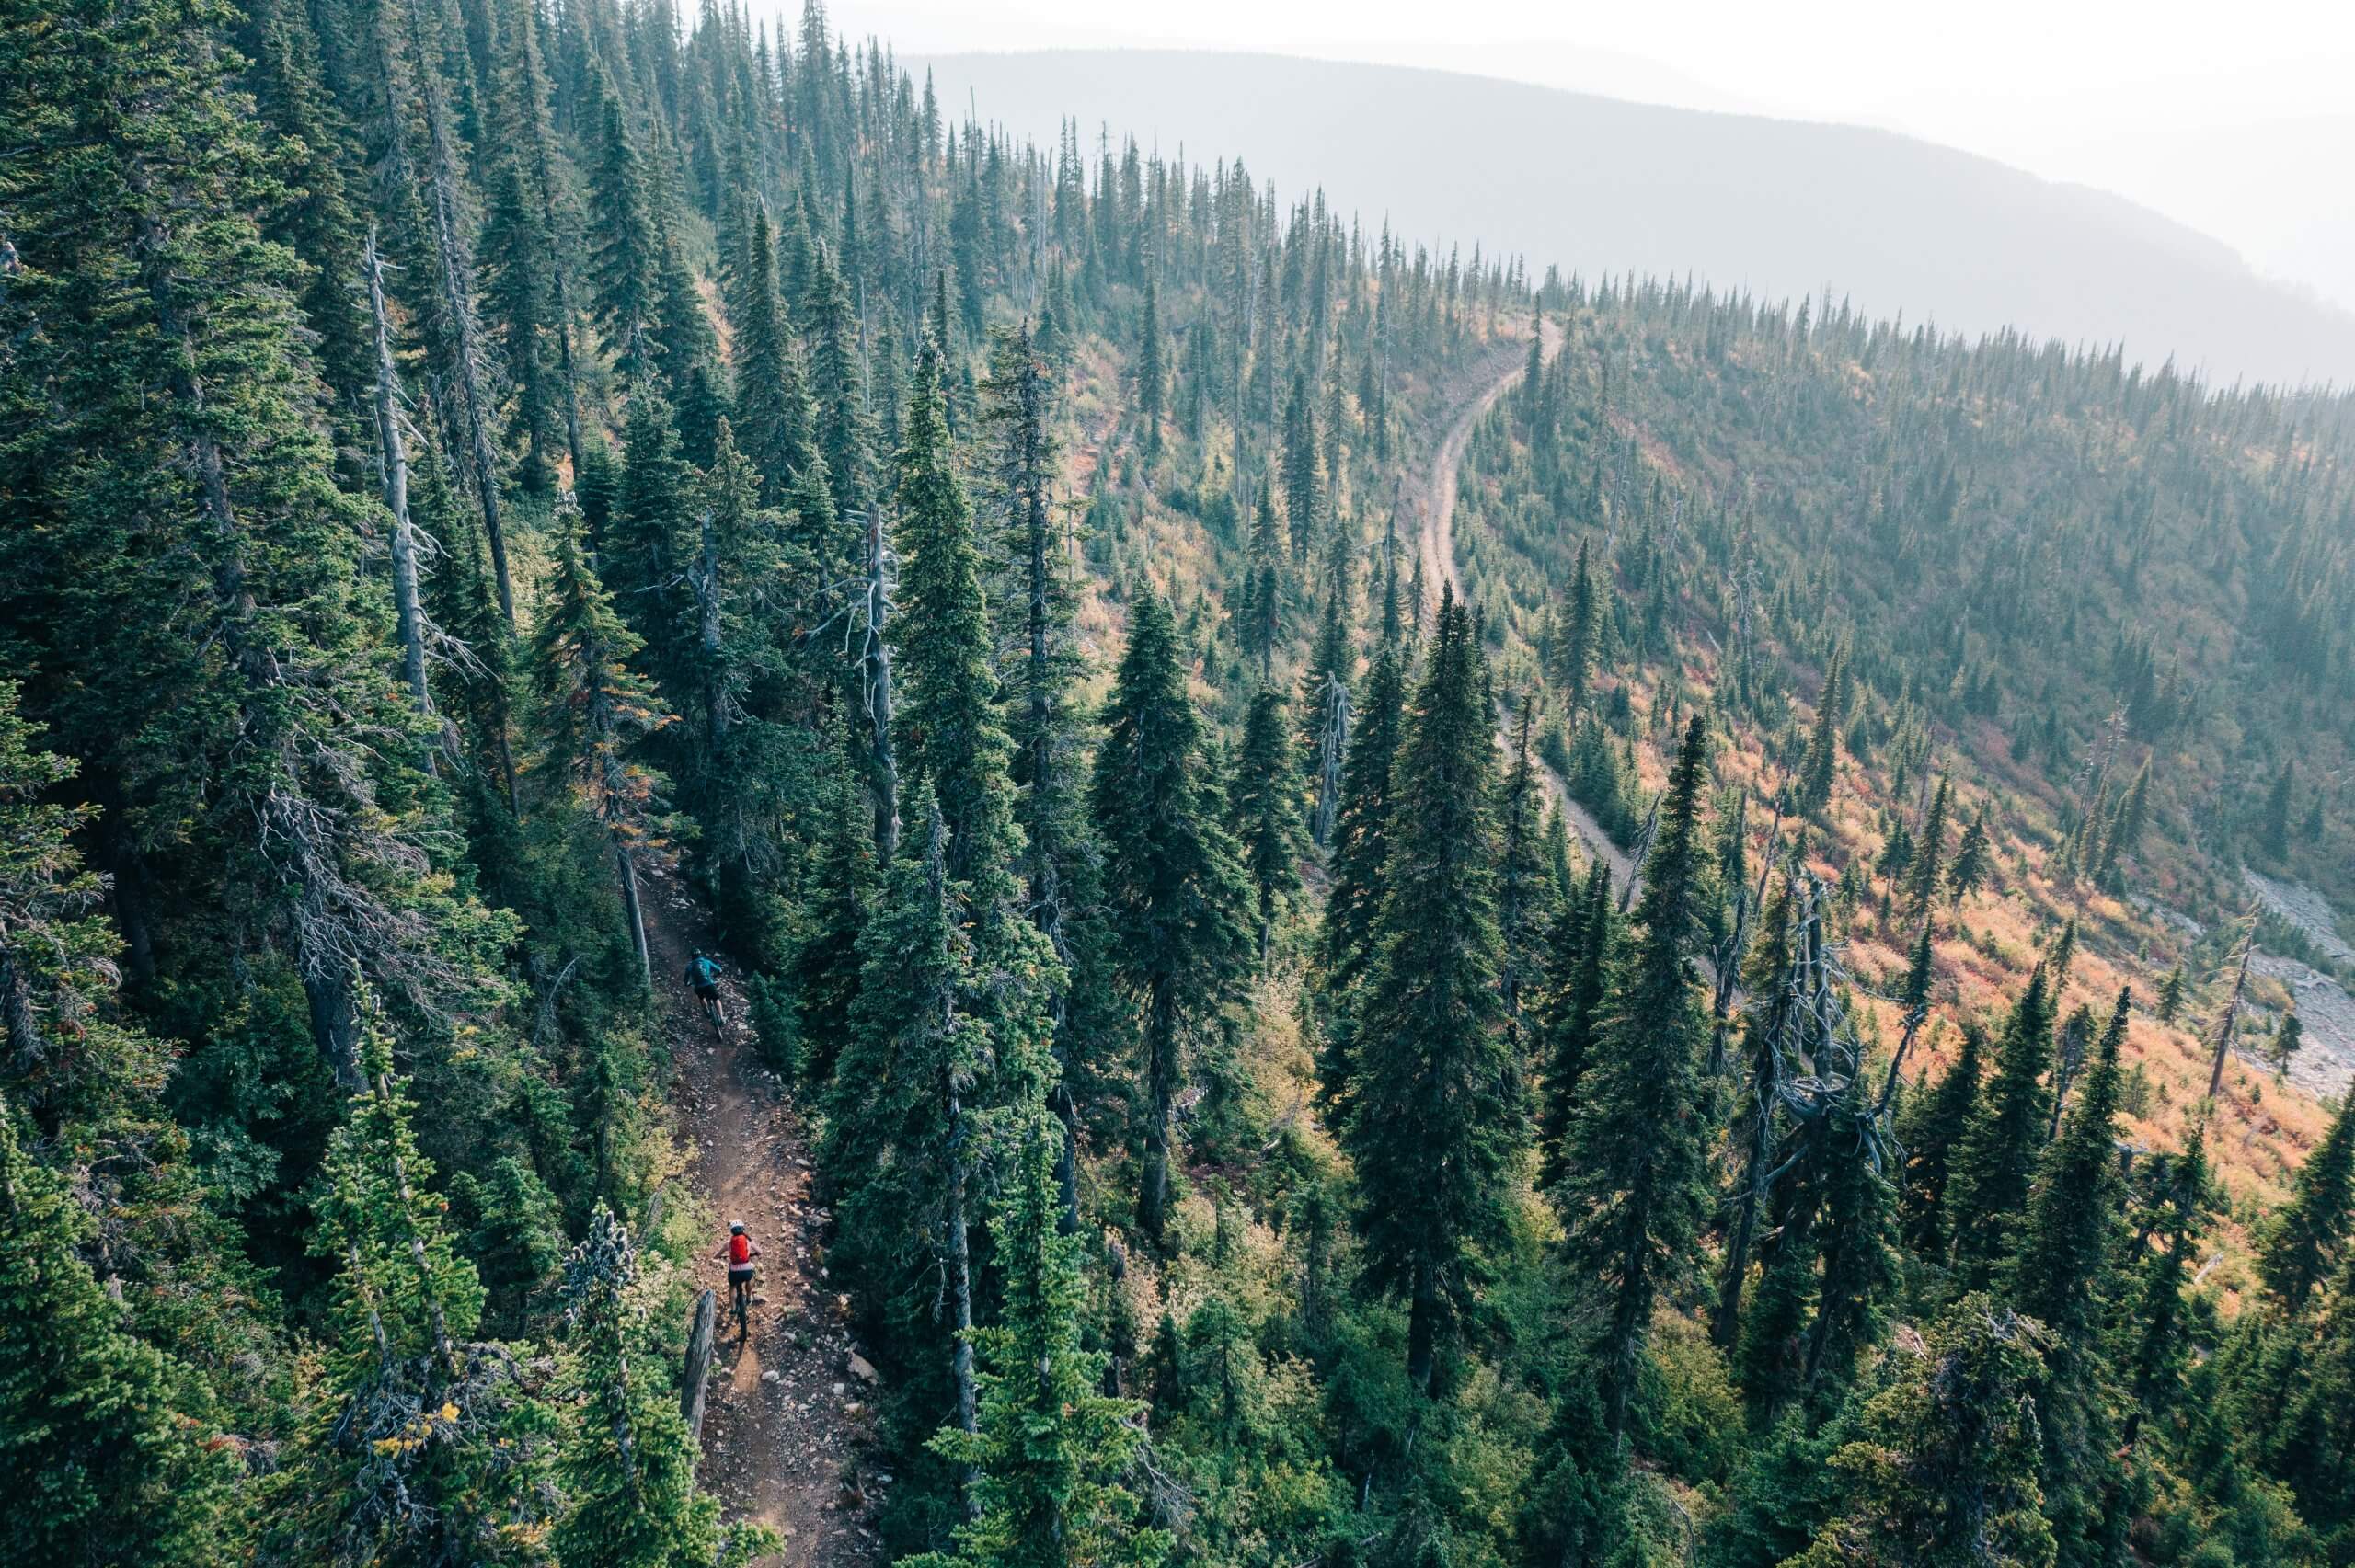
(1760, 1033)
(1778, 206)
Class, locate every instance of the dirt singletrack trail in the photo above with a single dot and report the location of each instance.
(1435, 542)
(788, 1411)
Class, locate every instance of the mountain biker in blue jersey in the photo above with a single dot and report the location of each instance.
(703, 973)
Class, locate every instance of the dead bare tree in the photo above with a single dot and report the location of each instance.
(702, 1327)
(875, 688)
(2231, 1017)
(1332, 747)
(468, 354)
(408, 618)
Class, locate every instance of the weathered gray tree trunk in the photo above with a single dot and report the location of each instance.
(2231, 1018)
(884, 769)
(408, 618)
(707, 592)
(1332, 749)
(702, 1327)
(627, 865)
(544, 177)
(466, 352)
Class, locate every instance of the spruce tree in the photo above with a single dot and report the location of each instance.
(1437, 1122)
(106, 1447)
(838, 891)
(644, 551)
(1304, 470)
(2062, 1277)
(1756, 1105)
(901, 1140)
(1931, 1132)
(737, 556)
(1820, 765)
(2124, 828)
(317, 215)
(1941, 1468)
(93, 1086)
(1523, 888)
(2156, 1346)
(625, 258)
(1152, 379)
(1971, 860)
(837, 386)
(2303, 1244)
(426, 1445)
(2312, 1446)
(1050, 1452)
(686, 343)
(1037, 676)
(2077, 1206)
(950, 731)
(1927, 878)
(2288, 1036)
(1266, 807)
(1325, 710)
(1175, 894)
(2059, 957)
(181, 541)
(628, 1462)
(2171, 993)
(517, 299)
(425, 183)
(952, 741)
(1266, 574)
(1994, 1164)
(1577, 977)
(1636, 1193)
(1530, 394)
(2273, 824)
(1361, 833)
(533, 213)
(592, 711)
(1857, 1238)
(774, 417)
(1573, 664)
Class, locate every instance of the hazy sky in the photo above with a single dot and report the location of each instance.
(2239, 119)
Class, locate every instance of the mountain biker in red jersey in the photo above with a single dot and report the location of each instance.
(738, 1250)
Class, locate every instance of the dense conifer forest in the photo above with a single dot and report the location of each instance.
(1378, 907)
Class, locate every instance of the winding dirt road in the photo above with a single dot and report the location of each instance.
(1435, 542)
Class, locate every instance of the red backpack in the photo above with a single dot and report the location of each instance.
(740, 1250)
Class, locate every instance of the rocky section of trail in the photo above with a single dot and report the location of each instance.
(788, 1409)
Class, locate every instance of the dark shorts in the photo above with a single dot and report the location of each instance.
(737, 1275)
(708, 993)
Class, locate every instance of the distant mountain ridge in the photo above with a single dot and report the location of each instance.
(1778, 207)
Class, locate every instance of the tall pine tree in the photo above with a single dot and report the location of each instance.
(1176, 894)
(1437, 1124)
(1637, 1192)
